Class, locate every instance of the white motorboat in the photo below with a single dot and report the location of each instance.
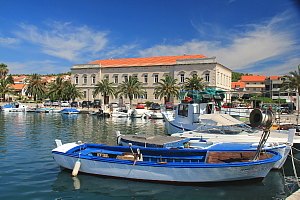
(14, 107)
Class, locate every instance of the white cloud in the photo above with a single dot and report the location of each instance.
(270, 41)
(8, 41)
(41, 67)
(65, 41)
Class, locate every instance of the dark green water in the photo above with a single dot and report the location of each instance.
(28, 171)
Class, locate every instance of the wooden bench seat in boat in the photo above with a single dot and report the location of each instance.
(233, 157)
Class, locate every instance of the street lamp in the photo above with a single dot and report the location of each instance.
(88, 98)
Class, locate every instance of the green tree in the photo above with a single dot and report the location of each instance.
(71, 92)
(236, 76)
(10, 79)
(292, 83)
(36, 87)
(5, 88)
(105, 88)
(130, 87)
(56, 89)
(3, 71)
(194, 83)
(167, 88)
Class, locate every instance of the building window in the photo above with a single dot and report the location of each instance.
(84, 79)
(145, 95)
(106, 77)
(146, 79)
(93, 79)
(76, 80)
(116, 79)
(84, 94)
(207, 77)
(126, 78)
(181, 78)
(156, 78)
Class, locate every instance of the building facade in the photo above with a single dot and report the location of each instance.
(150, 71)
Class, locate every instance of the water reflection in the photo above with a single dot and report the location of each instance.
(273, 186)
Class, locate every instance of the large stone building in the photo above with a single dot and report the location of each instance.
(150, 71)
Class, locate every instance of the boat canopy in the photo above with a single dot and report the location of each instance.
(221, 119)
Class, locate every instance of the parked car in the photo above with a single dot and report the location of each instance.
(140, 105)
(86, 104)
(154, 106)
(113, 105)
(228, 105)
(97, 103)
(74, 104)
(47, 103)
(272, 107)
(169, 105)
(64, 104)
(55, 103)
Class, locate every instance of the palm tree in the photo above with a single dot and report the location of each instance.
(71, 91)
(106, 88)
(194, 83)
(56, 89)
(292, 82)
(167, 88)
(5, 88)
(3, 71)
(131, 87)
(36, 87)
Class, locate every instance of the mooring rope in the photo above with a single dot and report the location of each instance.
(294, 168)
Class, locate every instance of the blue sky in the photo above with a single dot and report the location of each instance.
(49, 36)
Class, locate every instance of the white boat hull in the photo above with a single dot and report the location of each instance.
(166, 174)
(175, 172)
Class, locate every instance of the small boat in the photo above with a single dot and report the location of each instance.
(162, 164)
(139, 113)
(163, 141)
(69, 111)
(126, 113)
(154, 115)
(14, 107)
(154, 141)
(43, 110)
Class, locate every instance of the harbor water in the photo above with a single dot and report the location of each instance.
(28, 171)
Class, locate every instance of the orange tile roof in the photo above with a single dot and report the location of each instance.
(18, 86)
(164, 60)
(253, 78)
(275, 77)
(235, 84)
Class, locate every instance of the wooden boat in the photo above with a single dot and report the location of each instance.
(163, 141)
(162, 164)
(154, 141)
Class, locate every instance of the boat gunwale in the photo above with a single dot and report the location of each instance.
(276, 156)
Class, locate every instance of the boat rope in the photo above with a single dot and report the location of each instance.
(284, 180)
(262, 143)
(294, 168)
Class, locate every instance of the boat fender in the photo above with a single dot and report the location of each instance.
(76, 168)
(58, 143)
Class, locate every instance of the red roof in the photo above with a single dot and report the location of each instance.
(253, 78)
(237, 85)
(18, 86)
(275, 77)
(148, 61)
